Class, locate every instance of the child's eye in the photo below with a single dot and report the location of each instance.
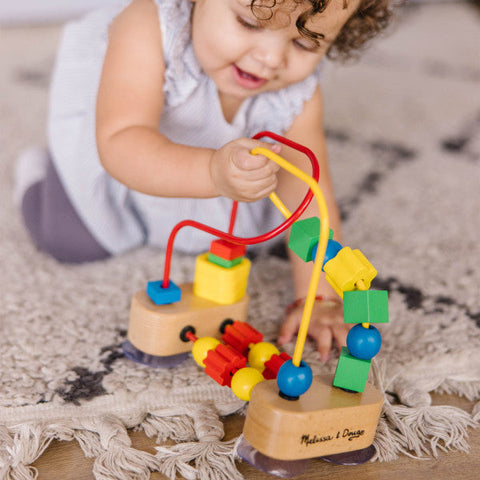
(247, 23)
(306, 45)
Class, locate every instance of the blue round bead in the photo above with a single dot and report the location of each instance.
(294, 381)
(333, 247)
(364, 343)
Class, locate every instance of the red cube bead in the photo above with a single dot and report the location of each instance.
(227, 250)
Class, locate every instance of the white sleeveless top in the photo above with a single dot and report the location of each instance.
(119, 218)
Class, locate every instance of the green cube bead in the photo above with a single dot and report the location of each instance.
(352, 373)
(223, 262)
(365, 306)
(304, 235)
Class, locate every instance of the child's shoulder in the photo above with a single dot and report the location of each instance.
(172, 17)
(171, 13)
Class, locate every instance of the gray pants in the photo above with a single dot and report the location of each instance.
(55, 226)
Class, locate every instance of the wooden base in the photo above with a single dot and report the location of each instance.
(155, 329)
(324, 421)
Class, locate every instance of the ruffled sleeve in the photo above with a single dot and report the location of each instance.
(182, 71)
(275, 111)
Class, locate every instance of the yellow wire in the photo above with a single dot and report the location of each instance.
(280, 205)
(322, 246)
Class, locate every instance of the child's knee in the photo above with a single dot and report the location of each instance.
(71, 245)
(58, 232)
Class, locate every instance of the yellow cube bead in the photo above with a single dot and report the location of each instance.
(348, 268)
(219, 284)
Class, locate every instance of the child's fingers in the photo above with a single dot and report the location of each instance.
(268, 170)
(289, 329)
(274, 147)
(340, 335)
(277, 148)
(245, 160)
(248, 162)
(266, 188)
(258, 190)
(323, 337)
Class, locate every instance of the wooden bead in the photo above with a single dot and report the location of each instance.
(260, 353)
(243, 382)
(364, 342)
(201, 348)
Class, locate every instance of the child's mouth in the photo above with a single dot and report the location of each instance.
(247, 80)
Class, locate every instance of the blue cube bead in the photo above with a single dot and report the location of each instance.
(163, 296)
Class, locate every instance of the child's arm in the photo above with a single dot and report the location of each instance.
(129, 107)
(326, 323)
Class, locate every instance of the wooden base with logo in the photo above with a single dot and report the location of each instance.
(324, 421)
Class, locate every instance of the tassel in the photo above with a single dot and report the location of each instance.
(213, 459)
(20, 448)
(21, 445)
(19, 472)
(425, 430)
(89, 442)
(124, 463)
(160, 424)
(468, 389)
(476, 412)
(117, 460)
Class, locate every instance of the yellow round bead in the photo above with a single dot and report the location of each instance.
(243, 382)
(260, 353)
(201, 347)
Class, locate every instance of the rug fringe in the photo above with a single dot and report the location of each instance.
(22, 444)
(469, 390)
(419, 432)
(110, 443)
(200, 455)
(168, 424)
(213, 459)
(476, 412)
(416, 428)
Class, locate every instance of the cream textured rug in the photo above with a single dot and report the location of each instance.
(404, 136)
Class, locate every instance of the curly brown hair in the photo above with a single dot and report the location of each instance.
(370, 18)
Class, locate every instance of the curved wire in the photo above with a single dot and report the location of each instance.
(252, 240)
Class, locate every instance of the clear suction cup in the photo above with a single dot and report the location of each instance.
(170, 361)
(280, 468)
(356, 457)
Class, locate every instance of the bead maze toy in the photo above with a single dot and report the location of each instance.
(292, 415)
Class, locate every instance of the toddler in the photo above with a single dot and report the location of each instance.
(153, 105)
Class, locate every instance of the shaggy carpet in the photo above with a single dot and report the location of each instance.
(403, 127)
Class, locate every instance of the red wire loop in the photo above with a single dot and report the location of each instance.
(252, 240)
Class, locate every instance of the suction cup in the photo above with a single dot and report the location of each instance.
(356, 457)
(170, 361)
(280, 468)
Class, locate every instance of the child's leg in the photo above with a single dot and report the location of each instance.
(54, 224)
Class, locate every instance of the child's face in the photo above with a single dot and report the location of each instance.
(245, 56)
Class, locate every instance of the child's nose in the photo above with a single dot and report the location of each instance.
(271, 55)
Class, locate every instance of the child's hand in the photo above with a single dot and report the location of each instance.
(326, 325)
(241, 176)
